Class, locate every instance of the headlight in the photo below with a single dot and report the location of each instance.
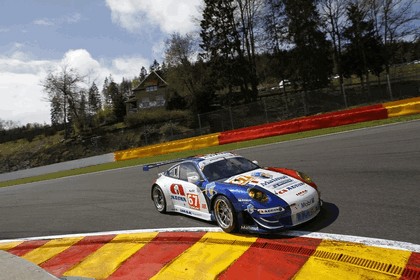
(305, 177)
(257, 195)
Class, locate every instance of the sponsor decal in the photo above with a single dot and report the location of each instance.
(271, 181)
(301, 193)
(243, 180)
(250, 208)
(185, 212)
(177, 189)
(204, 206)
(307, 202)
(262, 175)
(270, 210)
(285, 190)
(281, 183)
(244, 200)
(210, 190)
(193, 201)
(179, 198)
(307, 214)
(245, 227)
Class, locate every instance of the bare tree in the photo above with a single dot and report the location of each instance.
(333, 13)
(392, 21)
(64, 86)
(249, 14)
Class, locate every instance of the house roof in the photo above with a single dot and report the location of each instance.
(151, 74)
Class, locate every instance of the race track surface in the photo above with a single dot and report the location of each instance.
(369, 181)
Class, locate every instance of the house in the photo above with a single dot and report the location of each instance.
(150, 93)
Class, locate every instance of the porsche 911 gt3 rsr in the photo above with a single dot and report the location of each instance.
(236, 193)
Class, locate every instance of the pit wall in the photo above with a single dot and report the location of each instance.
(350, 116)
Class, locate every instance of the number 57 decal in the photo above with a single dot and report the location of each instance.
(193, 201)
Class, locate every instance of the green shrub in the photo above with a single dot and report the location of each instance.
(157, 116)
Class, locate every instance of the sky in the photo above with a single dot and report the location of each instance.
(97, 38)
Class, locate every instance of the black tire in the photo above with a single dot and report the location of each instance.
(225, 214)
(159, 199)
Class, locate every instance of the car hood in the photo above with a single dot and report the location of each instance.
(285, 187)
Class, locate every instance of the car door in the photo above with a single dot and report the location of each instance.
(191, 199)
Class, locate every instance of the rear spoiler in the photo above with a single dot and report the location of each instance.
(147, 167)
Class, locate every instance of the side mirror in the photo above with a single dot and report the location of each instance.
(256, 162)
(193, 177)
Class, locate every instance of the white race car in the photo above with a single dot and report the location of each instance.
(236, 193)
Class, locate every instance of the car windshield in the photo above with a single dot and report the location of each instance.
(228, 167)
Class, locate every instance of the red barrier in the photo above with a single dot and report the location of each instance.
(368, 113)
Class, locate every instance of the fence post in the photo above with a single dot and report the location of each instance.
(265, 111)
(199, 124)
(231, 119)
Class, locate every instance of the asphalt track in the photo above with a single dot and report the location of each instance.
(369, 181)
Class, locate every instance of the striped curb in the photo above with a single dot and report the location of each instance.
(208, 253)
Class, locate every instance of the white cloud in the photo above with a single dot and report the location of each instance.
(44, 22)
(169, 15)
(66, 19)
(21, 93)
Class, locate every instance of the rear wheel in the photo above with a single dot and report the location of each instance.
(159, 199)
(224, 214)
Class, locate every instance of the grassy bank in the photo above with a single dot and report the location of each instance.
(233, 146)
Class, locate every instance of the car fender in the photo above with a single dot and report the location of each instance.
(232, 198)
(169, 203)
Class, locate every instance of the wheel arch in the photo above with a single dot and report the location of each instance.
(151, 190)
(232, 199)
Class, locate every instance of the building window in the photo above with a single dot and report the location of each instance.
(151, 88)
(145, 103)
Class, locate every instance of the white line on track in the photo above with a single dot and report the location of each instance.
(383, 243)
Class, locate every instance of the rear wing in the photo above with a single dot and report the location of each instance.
(147, 167)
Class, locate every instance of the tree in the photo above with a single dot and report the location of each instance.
(333, 14)
(155, 66)
(143, 74)
(118, 101)
(311, 63)
(125, 88)
(94, 100)
(63, 89)
(186, 77)
(274, 25)
(221, 47)
(57, 110)
(105, 93)
(249, 15)
(363, 52)
(391, 20)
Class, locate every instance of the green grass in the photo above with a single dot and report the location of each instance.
(227, 147)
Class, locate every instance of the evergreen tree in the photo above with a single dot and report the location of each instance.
(57, 113)
(94, 100)
(222, 46)
(105, 92)
(363, 51)
(312, 65)
(143, 73)
(155, 66)
(125, 88)
(117, 101)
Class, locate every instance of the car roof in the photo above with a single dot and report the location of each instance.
(203, 160)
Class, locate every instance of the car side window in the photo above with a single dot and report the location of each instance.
(174, 172)
(187, 170)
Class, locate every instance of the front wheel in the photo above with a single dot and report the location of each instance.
(159, 199)
(224, 214)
